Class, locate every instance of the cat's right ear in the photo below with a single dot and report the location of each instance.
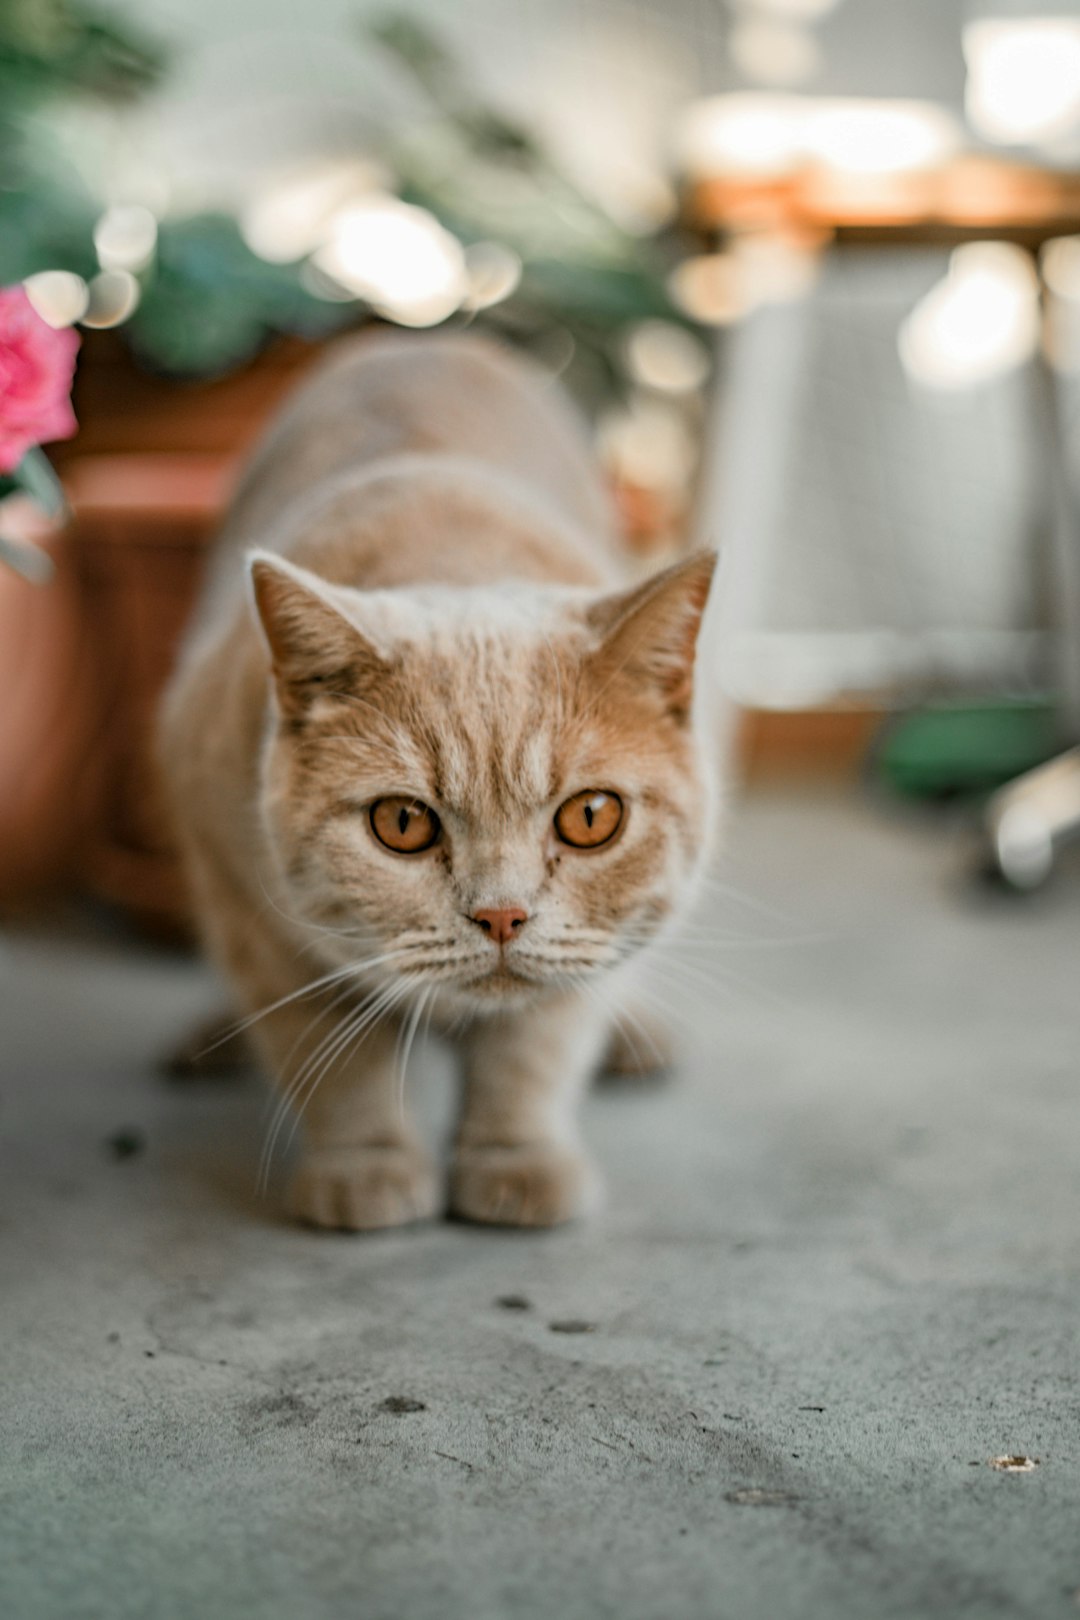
(314, 650)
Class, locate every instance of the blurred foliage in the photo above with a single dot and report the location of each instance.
(64, 46)
(208, 302)
(483, 175)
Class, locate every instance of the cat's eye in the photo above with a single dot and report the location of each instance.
(404, 825)
(589, 818)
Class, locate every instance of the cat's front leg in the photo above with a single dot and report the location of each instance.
(518, 1158)
(335, 1061)
(361, 1167)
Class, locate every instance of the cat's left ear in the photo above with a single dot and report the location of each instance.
(650, 633)
(313, 648)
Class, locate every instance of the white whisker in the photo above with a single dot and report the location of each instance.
(405, 1043)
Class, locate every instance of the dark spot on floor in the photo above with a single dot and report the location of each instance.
(403, 1403)
(755, 1496)
(125, 1143)
(285, 1408)
(572, 1325)
(514, 1302)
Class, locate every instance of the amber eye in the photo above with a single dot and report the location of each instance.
(404, 824)
(589, 818)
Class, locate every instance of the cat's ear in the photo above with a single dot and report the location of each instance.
(314, 649)
(650, 633)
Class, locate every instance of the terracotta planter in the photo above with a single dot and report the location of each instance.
(50, 737)
(84, 659)
(138, 542)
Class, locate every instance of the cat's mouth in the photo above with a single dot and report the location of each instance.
(500, 976)
(514, 973)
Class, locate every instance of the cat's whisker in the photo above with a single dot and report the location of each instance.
(284, 1099)
(349, 970)
(681, 977)
(347, 1047)
(337, 1000)
(705, 939)
(324, 1052)
(341, 933)
(297, 922)
(620, 1015)
(405, 1044)
(292, 1089)
(318, 1064)
(750, 902)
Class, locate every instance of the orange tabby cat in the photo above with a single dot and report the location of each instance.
(426, 757)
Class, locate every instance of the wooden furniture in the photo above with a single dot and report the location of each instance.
(967, 199)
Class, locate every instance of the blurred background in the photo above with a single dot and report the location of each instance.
(812, 268)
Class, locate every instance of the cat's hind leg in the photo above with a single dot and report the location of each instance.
(640, 1047)
(214, 1048)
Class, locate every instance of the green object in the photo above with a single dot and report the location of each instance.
(964, 749)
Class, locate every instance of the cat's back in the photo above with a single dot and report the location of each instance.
(381, 396)
(403, 460)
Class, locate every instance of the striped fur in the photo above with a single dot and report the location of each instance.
(417, 593)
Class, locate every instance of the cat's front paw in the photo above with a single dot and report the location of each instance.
(363, 1189)
(522, 1186)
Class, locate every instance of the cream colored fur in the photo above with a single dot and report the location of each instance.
(417, 592)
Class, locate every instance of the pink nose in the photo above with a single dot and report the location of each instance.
(502, 923)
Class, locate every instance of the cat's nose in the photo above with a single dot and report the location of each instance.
(500, 923)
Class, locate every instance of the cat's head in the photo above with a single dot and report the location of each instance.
(498, 790)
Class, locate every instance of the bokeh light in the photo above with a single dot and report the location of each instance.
(397, 257)
(980, 321)
(759, 134)
(709, 287)
(125, 237)
(113, 297)
(292, 214)
(879, 137)
(665, 357)
(493, 273)
(59, 296)
(1023, 84)
(795, 10)
(774, 52)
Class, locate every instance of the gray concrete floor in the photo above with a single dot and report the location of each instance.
(837, 1274)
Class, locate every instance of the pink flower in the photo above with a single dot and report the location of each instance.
(37, 363)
